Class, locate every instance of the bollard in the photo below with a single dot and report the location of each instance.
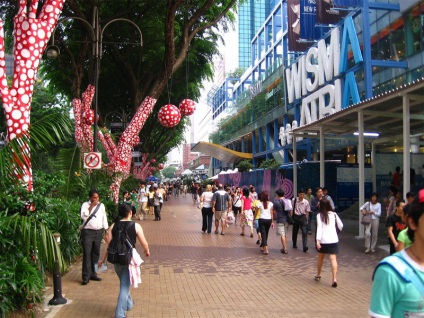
(57, 299)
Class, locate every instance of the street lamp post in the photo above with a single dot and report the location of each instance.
(96, 32)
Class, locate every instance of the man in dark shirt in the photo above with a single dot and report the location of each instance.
(394, 225)
(221, 205)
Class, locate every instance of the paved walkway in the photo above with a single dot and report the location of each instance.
(191, 274)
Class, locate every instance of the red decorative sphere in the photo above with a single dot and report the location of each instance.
(169, 115)
(88, 117)
(153, 161)
(153, 169)
(160, 166)
(187, 107)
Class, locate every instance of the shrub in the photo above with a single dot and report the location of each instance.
(244, 165)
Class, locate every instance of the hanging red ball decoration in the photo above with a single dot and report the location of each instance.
(187, 107)
(153, 161)
(153, 169)
(160, 166)
(169, 115)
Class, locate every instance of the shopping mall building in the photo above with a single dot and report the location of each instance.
(329, 83)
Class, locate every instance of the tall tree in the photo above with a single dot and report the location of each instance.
(179, 41)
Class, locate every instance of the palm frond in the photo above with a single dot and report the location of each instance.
(36, 238)
(51, 130)
(68, 160)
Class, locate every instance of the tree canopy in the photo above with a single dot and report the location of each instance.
(179, 41)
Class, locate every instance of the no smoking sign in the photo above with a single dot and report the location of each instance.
(92, 160)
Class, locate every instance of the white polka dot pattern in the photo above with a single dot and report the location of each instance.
(119, 156)
(187, 107)
(31, 35)
(169, 115)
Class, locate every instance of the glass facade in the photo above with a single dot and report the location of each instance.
(251, 16)
(396, 44)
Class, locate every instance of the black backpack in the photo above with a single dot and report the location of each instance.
(120, 248)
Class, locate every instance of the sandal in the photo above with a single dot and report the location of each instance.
(284, 251)
(251, 235)
(216, 232)
(317, 278)
(334, 284)
(242, 234)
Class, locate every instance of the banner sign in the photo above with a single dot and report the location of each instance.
(327, 13)
(308, 11)
(293, 10)
(347, 3)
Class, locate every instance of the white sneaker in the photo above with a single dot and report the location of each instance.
(367, 251)
(372, 251)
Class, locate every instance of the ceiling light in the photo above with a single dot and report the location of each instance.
(368, 134)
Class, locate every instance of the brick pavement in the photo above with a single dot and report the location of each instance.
(191, 274)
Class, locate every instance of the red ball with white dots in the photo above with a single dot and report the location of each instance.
(169, 115)
(187, 107)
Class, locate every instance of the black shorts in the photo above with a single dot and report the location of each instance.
(236, 210)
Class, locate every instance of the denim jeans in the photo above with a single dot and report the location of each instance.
(264, 225)
(207, 215)
(124, 299)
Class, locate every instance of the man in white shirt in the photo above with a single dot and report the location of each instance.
(327, 196)
(301, 210)
(93, 215)
(142, 199)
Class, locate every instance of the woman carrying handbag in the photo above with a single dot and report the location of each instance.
(372, 209)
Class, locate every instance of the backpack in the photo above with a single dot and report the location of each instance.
(120, 248)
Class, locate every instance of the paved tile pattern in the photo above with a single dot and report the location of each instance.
(191, 274)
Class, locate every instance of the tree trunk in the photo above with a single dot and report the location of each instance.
(31, 35)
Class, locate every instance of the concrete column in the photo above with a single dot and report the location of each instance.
(406, 146)
(294, 166)
(321, 157)
(361, 168)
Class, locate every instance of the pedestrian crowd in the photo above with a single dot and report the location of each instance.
(398, 281)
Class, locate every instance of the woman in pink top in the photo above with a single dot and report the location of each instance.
(246, 216)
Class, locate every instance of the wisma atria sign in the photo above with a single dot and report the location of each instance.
(320, 77)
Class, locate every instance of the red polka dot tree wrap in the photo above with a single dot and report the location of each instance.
(130, 135)
(187, 107)
(31, 35)
(83, 132)
(169, 115)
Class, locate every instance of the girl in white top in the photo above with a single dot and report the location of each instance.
(327, 238)
(236, 204)
(371, 230)
(265, 220)
(207, 214)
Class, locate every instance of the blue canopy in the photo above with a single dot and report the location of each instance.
(152, 179)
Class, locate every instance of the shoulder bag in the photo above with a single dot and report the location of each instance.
(335, 218)
(289, 217)
(366, 218)
(86, 222)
